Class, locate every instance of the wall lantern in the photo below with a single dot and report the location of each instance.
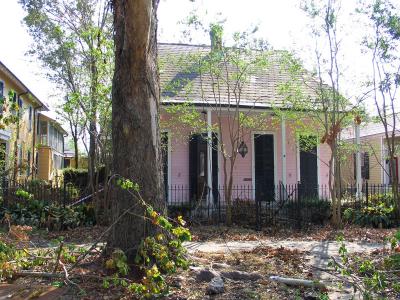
(242, 150)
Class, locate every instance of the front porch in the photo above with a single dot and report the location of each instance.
(273, 167)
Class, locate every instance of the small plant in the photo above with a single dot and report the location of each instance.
(374, 278)
(379, 212)
(53, 216)
(23, 194)
(157, 255)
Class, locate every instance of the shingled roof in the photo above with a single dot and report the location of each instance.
(260, 90)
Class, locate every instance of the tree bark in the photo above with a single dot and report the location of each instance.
(76, 150)
(135, 123)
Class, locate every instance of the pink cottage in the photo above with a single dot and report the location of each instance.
(269, 164)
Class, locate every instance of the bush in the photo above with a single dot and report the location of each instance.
(37, 183)
(76, 177)
(311, 210)
(379, 213)
(32, 212)
(80, 177)
(244, 212)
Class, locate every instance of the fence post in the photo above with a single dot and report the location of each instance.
(64, 193)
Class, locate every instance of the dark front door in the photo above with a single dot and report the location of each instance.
(264, 167)
(308, 167)
(198, 160)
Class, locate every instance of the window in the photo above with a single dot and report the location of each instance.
(1, 89)
(30, 118)
(57, 162)
(20, 102)
(2, 100)
(43, 133)
(67, 162)
(364, 165)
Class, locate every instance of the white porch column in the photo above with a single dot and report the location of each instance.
(283, 137)
(209, 156)
(358, 160)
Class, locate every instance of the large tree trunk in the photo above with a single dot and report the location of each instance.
(135, 127)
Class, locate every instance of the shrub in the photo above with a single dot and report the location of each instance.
(244, 212)
(37, 183)
(76, 177)
(378, 213)
(80, 177)
(51, 216)
(313, 210)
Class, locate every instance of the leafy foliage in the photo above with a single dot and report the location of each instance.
(32, 212)
(157, 255)
(375, 279)
(379, 212)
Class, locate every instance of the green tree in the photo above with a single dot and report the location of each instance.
(326, 111)
(383, 45)
(73, 40)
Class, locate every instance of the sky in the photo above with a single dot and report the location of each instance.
(281, 23)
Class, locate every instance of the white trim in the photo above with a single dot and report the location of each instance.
(209, 156)
(358, 160)
(383, 162)
(318, 165)
(283, 150)
(298, 157)
(253, 177)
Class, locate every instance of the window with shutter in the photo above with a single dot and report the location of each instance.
(20, 102)
(365, 166)
(1, 89)
(2, 100)
(30, 118)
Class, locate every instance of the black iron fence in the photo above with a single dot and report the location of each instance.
(294, 205)
(61, 194)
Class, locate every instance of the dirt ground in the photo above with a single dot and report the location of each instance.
(271, 252)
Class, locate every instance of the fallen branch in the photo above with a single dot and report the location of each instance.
(62, 275)
(298, 282)
(58, 256)
(39, 274)
(67, 277)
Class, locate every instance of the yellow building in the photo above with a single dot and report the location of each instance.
(50, 137)
(374, 159)
(69, 160)
(18, 139)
